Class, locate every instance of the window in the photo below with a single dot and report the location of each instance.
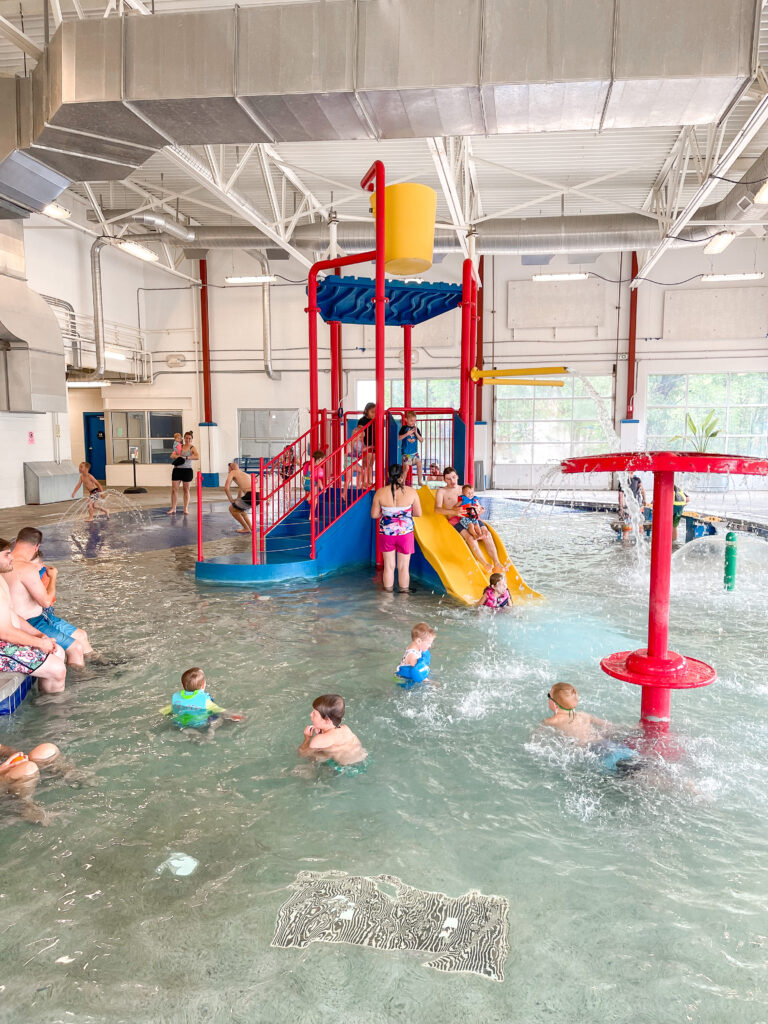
(434, 392)
(263, 433)
(739, 400)
(150, 432)
(536, 425)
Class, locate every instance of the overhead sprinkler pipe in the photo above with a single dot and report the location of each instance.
(98, 307)
(375, 180)
(407, 364)
(729, 572)
(266, 313)
(631, 353)
(206, 342)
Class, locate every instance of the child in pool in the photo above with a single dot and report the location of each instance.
(327, 738)
(192, 706)
(20, 774)
(496, 594)
(587, 730)
(92, 488)
(415, 665)
(470, 511)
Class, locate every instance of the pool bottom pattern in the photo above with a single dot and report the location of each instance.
(466, 934)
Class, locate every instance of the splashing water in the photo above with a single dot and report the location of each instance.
(115, 502)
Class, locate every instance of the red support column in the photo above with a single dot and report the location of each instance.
(262, 488)
(374, 179)
(206, 343)
(632, 343)
(407, 352)
(254, 540)
(656, 701)
(466, 328)
(479, 335)
(469, 469)
(199, 517)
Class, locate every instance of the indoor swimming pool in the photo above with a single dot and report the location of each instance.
(630, 898)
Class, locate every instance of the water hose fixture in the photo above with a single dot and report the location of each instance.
(656, 668)
(729, 569)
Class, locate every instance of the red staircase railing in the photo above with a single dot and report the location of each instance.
(338, 482)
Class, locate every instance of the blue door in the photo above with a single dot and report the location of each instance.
(95, 445)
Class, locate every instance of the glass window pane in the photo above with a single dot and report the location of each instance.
(553, 408)
(748, 419)
(398, 394)
(543, 453)
(119, 449)
(589, 431)
(164, 424)
(137, 424)
(551, 430)
(119, 424)
(602, 383)
(588, 449)
(698, 415)
(419, 393)
(514, 431)
(514, 410)
(666, 422)
(707, 389)
(656, 443)
(366, 392)
(545, 391)
(586, 409)
(748, 389)
(443, 393)
(283, 424)
(666, 389)
(513, 454)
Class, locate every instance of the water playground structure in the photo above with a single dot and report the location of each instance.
(298, 533)
(655, 668)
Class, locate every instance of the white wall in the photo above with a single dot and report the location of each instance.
(27, 437)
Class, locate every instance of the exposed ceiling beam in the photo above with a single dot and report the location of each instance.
(19, 39)
(450, 192)
(78, 9)
(56, 12)
(755, 122)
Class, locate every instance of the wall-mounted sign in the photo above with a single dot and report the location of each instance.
(30, 437)
(133, 453)
(100, 435)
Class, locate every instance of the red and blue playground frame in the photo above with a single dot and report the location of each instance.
(341, 484)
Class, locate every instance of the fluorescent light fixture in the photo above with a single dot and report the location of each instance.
(61, 212)
(115, 355)
(719, 243)
(73, 384)
(258, 279)
(761, 197)
(755, 275)
(141, 251)
(560, 277)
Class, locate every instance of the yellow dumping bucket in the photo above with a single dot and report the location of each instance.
(410, 227)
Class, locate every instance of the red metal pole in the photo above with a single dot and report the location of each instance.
(311, 507)
(466, 321)
(469, 469)
(407, 350)
(335, 393)
(206, 343)
(632, 343)
(479, 338)
(375, 178)
(261, 509)
(656, 701)
(199, 517)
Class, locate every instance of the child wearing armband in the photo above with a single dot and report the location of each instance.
(415, 666)
(192, 706)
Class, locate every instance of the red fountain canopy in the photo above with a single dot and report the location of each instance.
(667, 462)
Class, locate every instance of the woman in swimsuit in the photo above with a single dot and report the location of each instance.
(395, 506)
(183, 472)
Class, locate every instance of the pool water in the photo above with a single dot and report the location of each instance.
(634, 899)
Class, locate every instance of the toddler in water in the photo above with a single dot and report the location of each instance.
(415, 666)
(587, 730)
(470, 510)
(496, 594)
(92, 488)
(327, 739)
(192, 706)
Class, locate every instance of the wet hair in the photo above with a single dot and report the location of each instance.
(407, 413)
(193, 679)
(330, 705)
(395, 478)
(29, 535)
(421, 631)
(467, 487)
(495, 577)
(368, 407)
(4, 544)
(447, 470)
(565, 695)
(86, 464)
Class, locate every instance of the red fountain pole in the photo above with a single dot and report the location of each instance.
(407, 338)
(469, 470)
(199, 516)
(466, 365)
(632, 343)
(374, 180)
(254, 545)
(261, 509)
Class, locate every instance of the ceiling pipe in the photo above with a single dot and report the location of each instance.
(266, 314)
(166, 225)
(98, 307)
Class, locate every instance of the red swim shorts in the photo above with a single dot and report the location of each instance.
(402, 544)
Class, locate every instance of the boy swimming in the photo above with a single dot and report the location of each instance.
(415, 665)
(327, 738)
(92, 488)
(587, 730)
(192, 705)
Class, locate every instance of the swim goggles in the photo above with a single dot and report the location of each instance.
(569, 710)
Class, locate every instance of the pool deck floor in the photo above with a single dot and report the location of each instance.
(66, 538)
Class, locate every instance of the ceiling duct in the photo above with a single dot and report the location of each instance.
(32, 366)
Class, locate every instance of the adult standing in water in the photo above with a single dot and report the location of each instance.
(395, 506)
(182, 473)
(369, 442)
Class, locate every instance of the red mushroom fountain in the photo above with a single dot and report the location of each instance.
(655, 668)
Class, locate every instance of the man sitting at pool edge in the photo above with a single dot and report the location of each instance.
(327, 739)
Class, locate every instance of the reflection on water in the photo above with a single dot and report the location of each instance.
(620, 889)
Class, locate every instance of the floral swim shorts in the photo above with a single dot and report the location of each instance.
(20, 658)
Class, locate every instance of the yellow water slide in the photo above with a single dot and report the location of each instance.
(458, 569)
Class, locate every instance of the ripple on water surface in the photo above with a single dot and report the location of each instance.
(646, 890)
